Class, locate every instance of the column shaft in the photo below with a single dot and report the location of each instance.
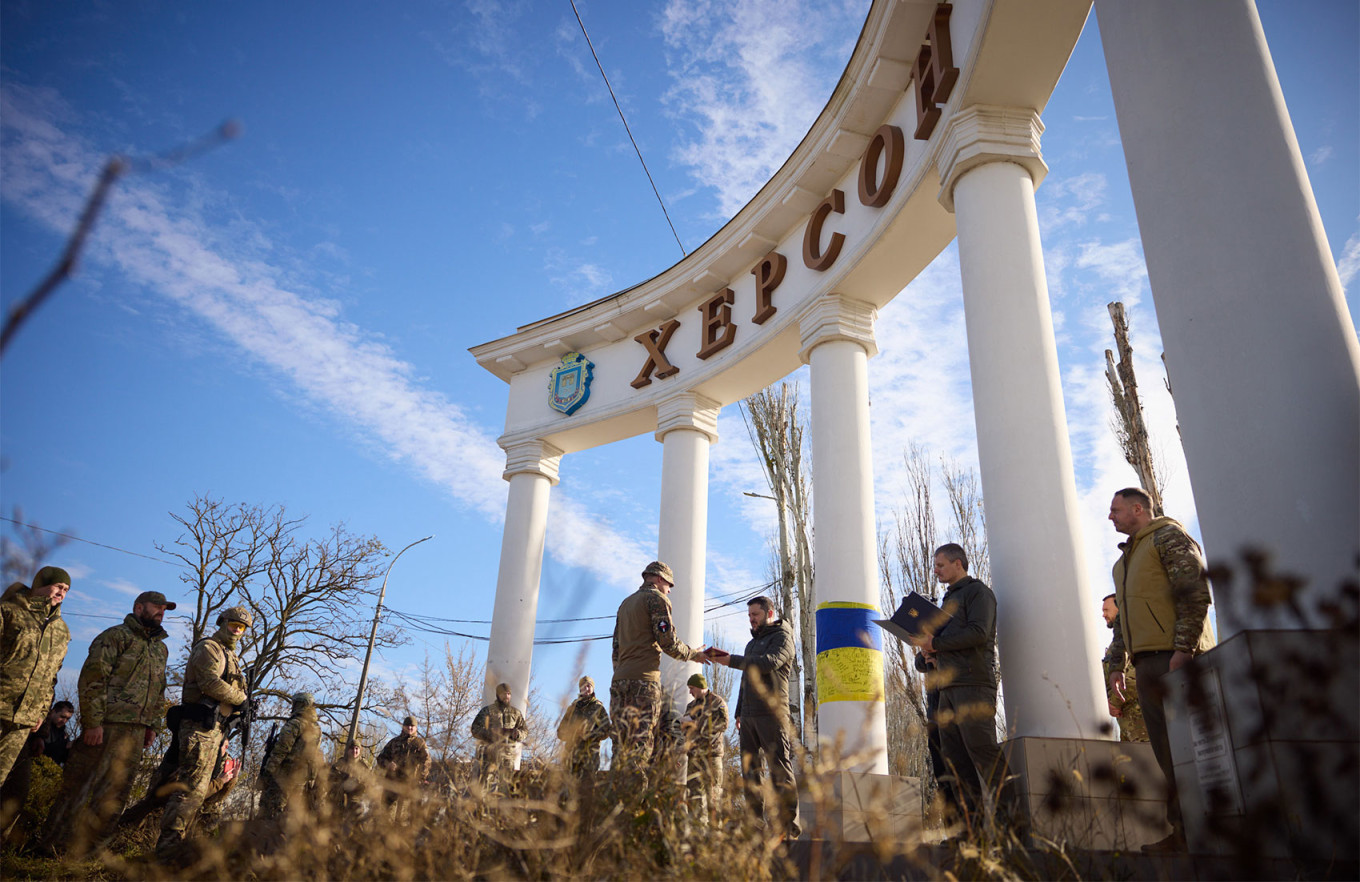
(510, 650)
(850, 698)
(1045, 605)
(1260, 346)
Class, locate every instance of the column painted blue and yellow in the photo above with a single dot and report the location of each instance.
(850, 697)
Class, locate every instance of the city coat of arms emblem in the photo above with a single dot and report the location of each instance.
(569, 383)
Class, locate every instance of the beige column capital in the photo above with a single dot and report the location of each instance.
(834, 317)
(982, 134)
(688, 410)
(534, 457)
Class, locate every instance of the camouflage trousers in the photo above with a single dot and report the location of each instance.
(635, 708)
(284, 797)
(704, 785)
(12, 741)
(495, 766)
(95, 786)
(198, 747)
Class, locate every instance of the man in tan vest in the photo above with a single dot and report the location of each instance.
(1162, 594)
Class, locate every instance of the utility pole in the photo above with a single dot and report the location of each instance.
(372, 638)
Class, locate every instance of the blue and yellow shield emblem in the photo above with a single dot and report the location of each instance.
(569, 383)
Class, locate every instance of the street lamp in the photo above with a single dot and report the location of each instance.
(373, 636)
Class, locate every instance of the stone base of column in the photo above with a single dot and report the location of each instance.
(860, 807)
(1265, 735)
(1090, 794)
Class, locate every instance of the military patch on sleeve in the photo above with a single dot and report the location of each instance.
(663, 626)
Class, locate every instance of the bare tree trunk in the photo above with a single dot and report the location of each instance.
(1127, 423)
(776, 429)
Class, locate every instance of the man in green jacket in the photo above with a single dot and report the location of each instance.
(583, 727)
(122, 698)
(33, 641)
(294, 763)
(1161, 589)
(498, 727)
(213, 690)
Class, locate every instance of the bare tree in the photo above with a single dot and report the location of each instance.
(1127, 421)
(777, 430)
(302, 591)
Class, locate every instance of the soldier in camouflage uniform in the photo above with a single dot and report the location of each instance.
(294, 762)
(213, 690)
(705, 725)
(122, 698)
(406, 762)
(643, 629)
(1124, 708)
(1159, 581)
(33, 640)
(583, 727)
(349, 784)
(498, 727)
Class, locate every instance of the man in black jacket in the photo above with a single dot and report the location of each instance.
(964, 654)
(763, 721)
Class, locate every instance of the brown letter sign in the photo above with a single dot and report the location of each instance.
(888, 139)
(655, 342)
(813, 256)
(934, 73)
(717, 313)
(769, 273)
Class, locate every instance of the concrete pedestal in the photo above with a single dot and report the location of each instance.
(860, 807)
(1265, 734)
(1090, 794)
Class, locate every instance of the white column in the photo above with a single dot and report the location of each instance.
(686, 425)
(1260, 346)
(531, 469)
(837, 340)
(1046, 608)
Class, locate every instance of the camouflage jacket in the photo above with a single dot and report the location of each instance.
(123, 678)
(643, 629)
(213, 675)
(498, 723)
(410, 756)
(296, 755)
(1110, 665)
(1162, 592)
(707, 726)
(33, 641)
(584, 726)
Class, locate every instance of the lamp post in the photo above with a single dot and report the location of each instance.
(372, 637)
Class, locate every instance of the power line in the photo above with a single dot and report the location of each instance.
(627, 129)
(88, 542)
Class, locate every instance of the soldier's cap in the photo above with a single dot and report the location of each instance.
(502, 687)
(154, 597)
(236, 614)
(697, 681)
(409, 721)
(657, 568)
(587, 679)
(51, 576)
(303, 699)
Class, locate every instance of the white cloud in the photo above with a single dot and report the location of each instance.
(1321, 155)
(1349, 264)
(746, 76)
(122, 586)
(246, 299)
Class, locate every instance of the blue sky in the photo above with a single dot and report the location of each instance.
(286, 319)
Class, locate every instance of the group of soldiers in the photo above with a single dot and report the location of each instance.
(121, 692)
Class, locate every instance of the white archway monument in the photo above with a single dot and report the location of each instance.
(932, 132)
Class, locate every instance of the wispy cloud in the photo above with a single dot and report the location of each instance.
(750, 78)
(1348, 266)
(1321, 155)
(172, 250)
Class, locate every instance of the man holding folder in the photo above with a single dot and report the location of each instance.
(962, 645)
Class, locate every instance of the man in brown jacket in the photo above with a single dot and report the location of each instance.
(643, 629)
(1162, 593)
